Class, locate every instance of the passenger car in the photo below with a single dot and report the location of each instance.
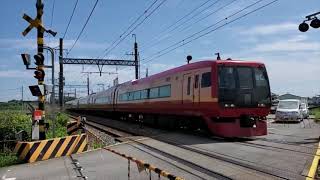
(289, 110)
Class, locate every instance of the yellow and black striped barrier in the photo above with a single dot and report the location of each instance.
(51, 148)
(146, 166)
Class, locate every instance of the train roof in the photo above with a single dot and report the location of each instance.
(195, 65)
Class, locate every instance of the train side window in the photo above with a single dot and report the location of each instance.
(154, 93)
(188, 86)
(137, 95)
(130, 96)
(196, 81)
(206, 80)
(165, 91)
(144, 94)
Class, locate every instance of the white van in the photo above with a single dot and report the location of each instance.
(289, 110)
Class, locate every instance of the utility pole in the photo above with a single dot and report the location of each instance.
(88, 84)
(136, 56)
(61, 74)
(22, 98)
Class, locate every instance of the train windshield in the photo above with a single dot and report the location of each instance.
(243, 86)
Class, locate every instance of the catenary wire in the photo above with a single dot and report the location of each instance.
(238, 18)
(157, 7)
(84, 26)
(70, 19)
(144, 12)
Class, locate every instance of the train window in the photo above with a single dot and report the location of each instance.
(260, 76)
(144, 94)
(130, 96)
(165, 91)
(245, 77)
(196, 81)
(154, 93)
(188, 86)
(206, 80)
(137, 95)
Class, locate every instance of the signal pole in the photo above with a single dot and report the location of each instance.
(40, 66)
(38, 125)
(61, 74)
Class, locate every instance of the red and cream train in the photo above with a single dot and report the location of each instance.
(230, 98)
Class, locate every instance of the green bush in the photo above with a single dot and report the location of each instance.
(8, 159)
(62, 119)
(12, 122)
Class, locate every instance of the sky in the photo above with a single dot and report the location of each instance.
(269, 35)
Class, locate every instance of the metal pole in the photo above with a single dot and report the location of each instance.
(61, 74)
(52, 73)
(136, 57)
(22, 98)
(40, 41)
(88, 84)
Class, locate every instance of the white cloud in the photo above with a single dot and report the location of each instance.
(271, 29)
(291, 45)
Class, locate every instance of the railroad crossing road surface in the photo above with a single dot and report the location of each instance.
(286, 153)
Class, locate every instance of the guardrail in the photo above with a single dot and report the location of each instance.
(142, 165)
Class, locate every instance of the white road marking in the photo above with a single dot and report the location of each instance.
(4, 178)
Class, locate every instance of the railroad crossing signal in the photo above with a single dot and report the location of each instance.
(39, 74)
(35, 23)
(39, 59)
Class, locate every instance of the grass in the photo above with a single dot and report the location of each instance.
(316, 113)
(8, 159)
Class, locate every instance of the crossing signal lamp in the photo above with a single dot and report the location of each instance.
(39, 74)
(39, 59)
(303, 27)
(315, 22)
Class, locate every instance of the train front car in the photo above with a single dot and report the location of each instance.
(244, 99)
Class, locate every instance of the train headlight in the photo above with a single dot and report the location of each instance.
(226, 105)
(261, 105)
(231, 105)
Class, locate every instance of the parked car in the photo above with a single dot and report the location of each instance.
(304, 110)
(289, 110)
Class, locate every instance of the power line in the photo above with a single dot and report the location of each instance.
(187, 26)
(204, 29)
(145, 11)
(52, 13)
(238, 18)
(74, 8)
(185, 16)
(135, 27)
(83, 27)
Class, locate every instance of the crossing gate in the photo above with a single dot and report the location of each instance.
(74, 125)
(51, 148)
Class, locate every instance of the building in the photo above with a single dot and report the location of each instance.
(291, 96)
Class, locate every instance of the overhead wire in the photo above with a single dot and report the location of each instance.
(184, 43)
(157, 7)
(70, 19)
(182, 18)
(187, 26)
(84, 26)
(128, 28)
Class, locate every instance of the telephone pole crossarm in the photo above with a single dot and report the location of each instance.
(99, 61)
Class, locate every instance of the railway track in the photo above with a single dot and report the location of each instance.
(250, 166)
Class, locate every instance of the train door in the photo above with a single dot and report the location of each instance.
(187, 89)
(196, 88)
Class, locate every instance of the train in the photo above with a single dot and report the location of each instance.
(229, 98)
